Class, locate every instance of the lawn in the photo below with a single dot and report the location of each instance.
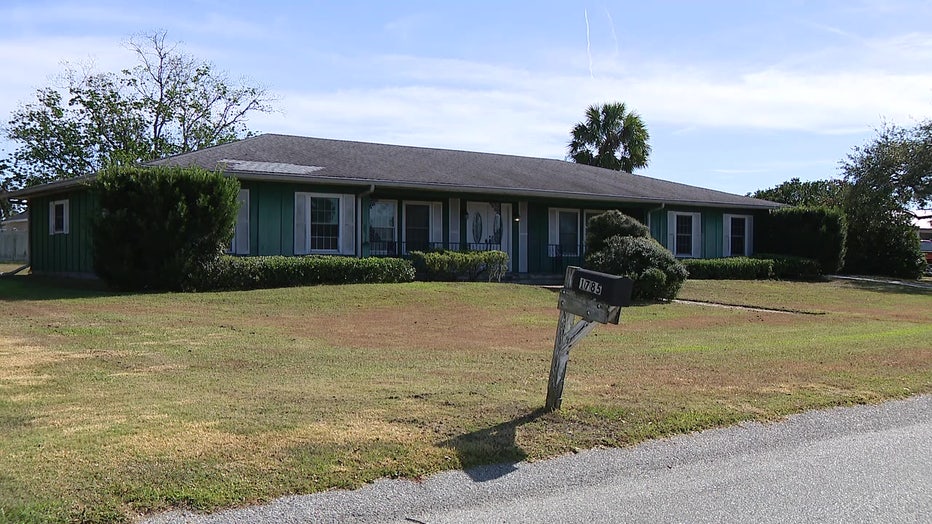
(116, 405)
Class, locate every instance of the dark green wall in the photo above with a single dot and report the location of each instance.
(271, 216)
(69, 253)
(713, 224)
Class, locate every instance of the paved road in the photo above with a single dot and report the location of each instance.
(861, 464)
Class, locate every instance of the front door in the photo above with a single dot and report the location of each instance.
(488, 227)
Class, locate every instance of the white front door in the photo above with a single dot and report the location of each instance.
(489, 227)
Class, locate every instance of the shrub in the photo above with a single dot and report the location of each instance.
(609, 224)
(656, 273)
(758, 268)
(456, 265)
(888, 246)
(798, 268)
(818, 233)
(158, 228)
(735, 268)
(281, 271)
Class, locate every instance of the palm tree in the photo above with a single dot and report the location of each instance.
(611, 137)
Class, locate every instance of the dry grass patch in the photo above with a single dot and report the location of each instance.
(114, 404)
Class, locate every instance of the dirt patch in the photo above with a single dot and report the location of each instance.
(465, 328)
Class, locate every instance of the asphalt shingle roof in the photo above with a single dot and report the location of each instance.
(318, 160)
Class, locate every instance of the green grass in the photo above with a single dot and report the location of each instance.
(113, 405)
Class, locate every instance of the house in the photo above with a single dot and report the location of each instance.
(305, 195)
(16, 222)
(14, 238)
(924, 224)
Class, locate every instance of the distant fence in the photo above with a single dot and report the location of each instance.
(14, 246)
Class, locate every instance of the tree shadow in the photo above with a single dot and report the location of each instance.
(899, 287)
(492, 453)
(36, 287)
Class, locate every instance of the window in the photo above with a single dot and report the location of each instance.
(564, 232)
(417, 227)
(324, 223)
(382, 232)
(240, 243)
(423, 226)
(684, 233)
(738, 234)
(58, 217)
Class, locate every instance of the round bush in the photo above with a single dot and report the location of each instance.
(656, 273)
(609, 224)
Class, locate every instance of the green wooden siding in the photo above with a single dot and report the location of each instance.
(271, 224)
(67, 253)
(712, 234)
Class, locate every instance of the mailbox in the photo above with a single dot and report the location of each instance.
(608, 289)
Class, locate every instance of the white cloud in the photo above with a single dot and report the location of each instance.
(454, 103)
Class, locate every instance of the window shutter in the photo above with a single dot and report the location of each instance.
(553, 233)
(300, 224)
(436, 222)
(242, 224)
(726, 243)
(348, 224)
(522, 237)
(697, 235)
(454, 223)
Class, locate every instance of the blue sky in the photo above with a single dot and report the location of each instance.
(737, 95)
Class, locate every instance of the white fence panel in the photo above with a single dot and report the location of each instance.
(14, 246)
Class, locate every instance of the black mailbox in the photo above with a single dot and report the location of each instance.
(610, 289)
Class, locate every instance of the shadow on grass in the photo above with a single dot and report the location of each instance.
(899, 287)
(491, 453)
(34, 287)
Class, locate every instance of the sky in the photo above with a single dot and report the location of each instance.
(737, 95)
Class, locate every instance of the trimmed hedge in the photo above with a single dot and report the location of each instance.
(818, 233)
(237, 273)
(458, 265)
(758, 268)
(734, 268)
(795, 268)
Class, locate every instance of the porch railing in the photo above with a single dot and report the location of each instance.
(401, 249)
(542, 257)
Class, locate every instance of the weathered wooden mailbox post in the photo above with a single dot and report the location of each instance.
(593, 297)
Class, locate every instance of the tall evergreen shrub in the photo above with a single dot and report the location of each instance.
(161, 227)
(818, 233)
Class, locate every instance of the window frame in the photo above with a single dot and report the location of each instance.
(554, 233)
(239, 244)
(346, 206)
(434, 213)
(66, 218)
(395, 235)
(695, 233)
(727, 236)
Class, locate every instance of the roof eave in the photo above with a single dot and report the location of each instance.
(486, 190)
(50, 188)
